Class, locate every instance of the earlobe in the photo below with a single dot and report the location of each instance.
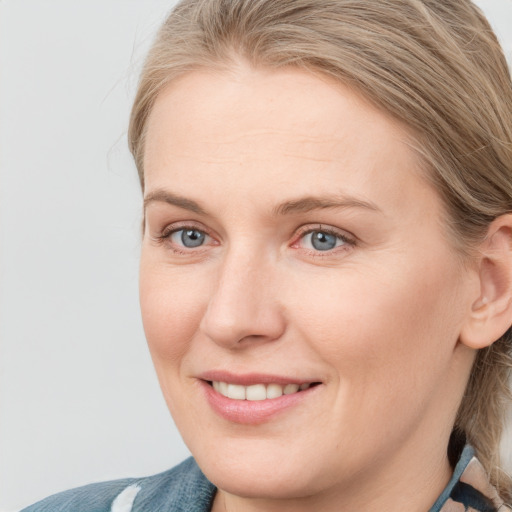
(491, 312)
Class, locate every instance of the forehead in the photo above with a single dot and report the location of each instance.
(250, 128)
(267, 103)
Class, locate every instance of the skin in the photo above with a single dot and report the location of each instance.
(377, 320)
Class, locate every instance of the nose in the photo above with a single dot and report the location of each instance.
(244, 303)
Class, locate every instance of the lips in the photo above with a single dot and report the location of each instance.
(254, 399)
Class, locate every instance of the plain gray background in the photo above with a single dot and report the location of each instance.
(78, 398)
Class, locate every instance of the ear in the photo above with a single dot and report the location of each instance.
(491, 313)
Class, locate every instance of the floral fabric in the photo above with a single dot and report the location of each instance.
(469, 489)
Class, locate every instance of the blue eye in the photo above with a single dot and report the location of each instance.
(189, 238)
(322, 240)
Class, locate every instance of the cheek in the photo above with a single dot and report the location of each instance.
(380, 322)
(172, 307)
(387, 337)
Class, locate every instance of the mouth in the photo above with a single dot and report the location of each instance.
(253, 399)
(258, 392)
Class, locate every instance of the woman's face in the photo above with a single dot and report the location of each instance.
(291, 242)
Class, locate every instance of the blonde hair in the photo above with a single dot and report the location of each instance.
(435, 65)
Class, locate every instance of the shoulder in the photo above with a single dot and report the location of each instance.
(97, 497)
(182, 488)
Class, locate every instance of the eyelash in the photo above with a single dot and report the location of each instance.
(165, 237)
(347, 241)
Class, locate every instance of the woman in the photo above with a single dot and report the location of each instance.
(326, 269)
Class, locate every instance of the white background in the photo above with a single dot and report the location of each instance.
(78, 398)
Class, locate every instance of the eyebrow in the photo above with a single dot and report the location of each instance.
(300, 205)
(310, 203)
(166, 197)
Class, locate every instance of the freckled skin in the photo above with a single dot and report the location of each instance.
(376, 320)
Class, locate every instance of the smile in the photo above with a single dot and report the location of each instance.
(255, 398)
(257, 392)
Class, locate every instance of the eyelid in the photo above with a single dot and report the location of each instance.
(349, 241)
(177, 226)
(173, 239)
(344, 235)
(164, 236)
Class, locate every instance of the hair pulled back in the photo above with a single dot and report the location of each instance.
(434, 65)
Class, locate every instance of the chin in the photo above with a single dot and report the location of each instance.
(247, 482)
(263, 472)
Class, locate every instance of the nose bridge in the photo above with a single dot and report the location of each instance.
(242, 304)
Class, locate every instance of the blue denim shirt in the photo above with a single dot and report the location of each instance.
(185, 489)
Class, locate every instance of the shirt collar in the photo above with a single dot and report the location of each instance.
(469, 489)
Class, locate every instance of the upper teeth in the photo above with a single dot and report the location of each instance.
(257, 391)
